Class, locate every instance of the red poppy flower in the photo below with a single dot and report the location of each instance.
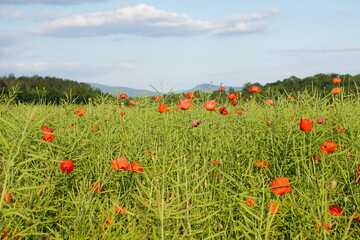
(120, 210)
(336, 90)
(234, 103)
(270, 101)
(232, 96)
(8, 197)
(250, 202)
(254, 89)
(280, 186)
(223, 111)
(108, 219)
(190, 95)
(132, 102)
(135, 167)
(80, 112)
(325, 226)
(262, 164)
(120, 163)
(123, 96)
(195, 123)
(67, 166)
(274, 207)
(321, 120)
(268, 122)
(239, 111)
(210, 105)
(358, 167)
(94, 128)
(292, 98)
(216, 162)
(306, 125)
(123, 114)
(46, 129)
(328, 147)
(162, 108)
(336, 80)
(97, 187)
(339, 128)
(220, 89)
(185, 104)
(48, 137)
(335, 210)
(157, 98)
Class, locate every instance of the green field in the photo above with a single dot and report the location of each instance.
(182, 193)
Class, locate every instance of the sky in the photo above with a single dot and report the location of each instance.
(178, 44)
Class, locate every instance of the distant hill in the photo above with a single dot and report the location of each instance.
(132, 92)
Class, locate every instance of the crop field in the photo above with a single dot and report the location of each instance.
(266, 167)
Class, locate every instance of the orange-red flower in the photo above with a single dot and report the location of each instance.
(123, 114)
(232, 96)
(234, 103)
(254, 89)
(325, 226)
(250, 202)
(274, 207)
(132, 102)
(94, 128)
(328, 147)
(7, 198)
(336, 80)
(195, 123)
(135, 167)
(190, 95)
(306, 125)
(120, 210)
(292, 98)
(216, 162)
(48, 136)
(239, 111)
(223, 111)
(358, 167)
(123, 96)
(162, 108)
(97, 187)
(46, 129)
(321, 120)
(120, 163)
(336, 90)
(210, 105)
(280, 186)
(262, 164)
(270, 101)
(157, 98)
(80, 112)
(67, 166)
(185, 104)
(220, 89)
(108, 219)
(335, 210)
(339, 128)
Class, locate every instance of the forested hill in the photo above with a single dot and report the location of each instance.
(47, 89)
(320, 82)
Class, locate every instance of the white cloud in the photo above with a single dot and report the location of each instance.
(8, 38)
(320, 49)
(49, 2)
(148, 21)
(47, 15)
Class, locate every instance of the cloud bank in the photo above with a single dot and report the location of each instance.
(148, 21)
(49, 2)
(320, 49)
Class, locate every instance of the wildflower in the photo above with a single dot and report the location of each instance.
(80, 112)
(97, 187)
(108, 219)
(306, 125)
(94, 128)
(280, 186)
(162, 108)
(195, 123)
(48, 136)
(120, 210)
(123, 114)
(328, 147)
(274, 207)
(185, 104)
(8, 197)
(335, 210)
(262, 164)
(220, 89)
(336, 90)
(336, 80)
(292, 98)
(234, 103)
(250, 202)
(325, 226)
(239, 111)
(321, 120)
(224, 111)
(67, 166)
(254, 89)
(268, 122)
(120, 163)
(132, 102)
(270, 101)
(216, 162)
(123, 96)
(210, 105)
(46, 129)
(157, 98)
(190, 95)
(135, 167)
(339, 128)
(232, 96)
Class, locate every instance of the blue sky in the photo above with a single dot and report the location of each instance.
(178, 43)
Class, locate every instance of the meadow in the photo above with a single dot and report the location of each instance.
(213, 178)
